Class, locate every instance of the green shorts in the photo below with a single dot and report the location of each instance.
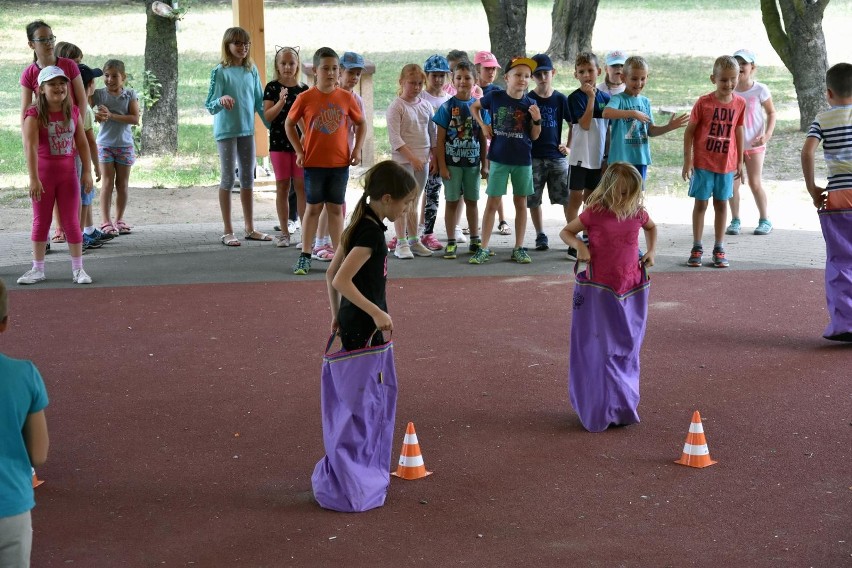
(462, 182)
(498, 180)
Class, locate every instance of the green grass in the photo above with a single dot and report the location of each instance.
(676, 80)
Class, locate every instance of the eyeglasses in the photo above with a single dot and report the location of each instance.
(49, 39)
(245, 44)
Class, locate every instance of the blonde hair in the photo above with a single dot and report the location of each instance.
(607, 195)
(636, 62)
(412, 69)
(281, 51)
(232, 35)
(725, 63)
(44, 111)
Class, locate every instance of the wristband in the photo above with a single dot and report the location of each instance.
(536, 122)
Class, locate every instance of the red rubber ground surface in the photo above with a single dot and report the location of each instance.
(185, 425)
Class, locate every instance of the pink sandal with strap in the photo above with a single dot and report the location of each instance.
(123, 228)
(109, 229)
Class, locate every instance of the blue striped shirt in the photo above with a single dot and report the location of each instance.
(834, 128)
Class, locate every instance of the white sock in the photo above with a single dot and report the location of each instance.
(89, 230)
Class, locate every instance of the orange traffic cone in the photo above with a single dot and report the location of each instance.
(695, 452)
(411, 464)
(36, 480)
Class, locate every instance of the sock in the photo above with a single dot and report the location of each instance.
(421, 229)
(306, 254)
(325, 241)
(76, 262)
(451, 242)
(89, 230)
(412, 240)
(38, 265)
(475, 239)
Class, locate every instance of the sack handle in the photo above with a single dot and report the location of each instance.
(335, 334)
(642, 266)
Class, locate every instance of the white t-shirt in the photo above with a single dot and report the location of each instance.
(611, 90)
(755, 118)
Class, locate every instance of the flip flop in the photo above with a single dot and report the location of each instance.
(257, 236)
(230, 240)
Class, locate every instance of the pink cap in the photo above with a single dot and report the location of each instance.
(485, 58)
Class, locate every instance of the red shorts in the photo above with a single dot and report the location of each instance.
(284, 165)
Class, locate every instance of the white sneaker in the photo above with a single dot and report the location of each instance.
(281, 240)
(460, 238)
(293, 226)
(403, 250)
(419, 248)
(31, 276)
(80, 277)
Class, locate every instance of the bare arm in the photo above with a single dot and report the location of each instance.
(569, 237)
(79, 90)
(650, 229)
(440, 155)
(769, 109)
(295, 141)
(675, 122)
(93, 152)
(31, 152)
(360, 134)
(85, 157)
(26, 102)
(740, 135)
(132, 116)
(476, 112)
(688, 139)
(808, 151)
(36, 438)
(585, 121)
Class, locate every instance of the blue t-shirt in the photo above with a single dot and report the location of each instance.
(22, 393)
(461, 146)
(587, 146)
(510, 123)
(554, 109)
(628, 138)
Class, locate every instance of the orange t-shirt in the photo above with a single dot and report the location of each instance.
(326, 129)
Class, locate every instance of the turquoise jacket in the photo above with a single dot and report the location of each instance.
(244, 87)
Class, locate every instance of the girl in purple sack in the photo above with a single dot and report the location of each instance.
(610, 300)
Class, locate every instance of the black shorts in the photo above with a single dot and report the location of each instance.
(580, 178)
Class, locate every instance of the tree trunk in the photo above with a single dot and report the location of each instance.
(507, 28)
(573, 23)
(800, 43)
(160, 119)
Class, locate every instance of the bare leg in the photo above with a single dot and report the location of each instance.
(122, 193)
(488, 219)
(721, 210)
(322, 226)
(536, 216)
(754, 170)
(247, 201)
(451, 218)
(282, 203)
(334, 213)
(309, 225)
(520, 202)
(472, 208)
(107, 186)
(698, 211)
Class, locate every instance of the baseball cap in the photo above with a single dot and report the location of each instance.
(352, 60)
(616, 57)
(50, 72)
(486, 59)
(88, 74)
(543, 62)
(515, 61)
(746, 55)
(437, 64)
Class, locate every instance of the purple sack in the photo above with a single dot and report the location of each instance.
(837, 231)
(606, 336)
(358, 392)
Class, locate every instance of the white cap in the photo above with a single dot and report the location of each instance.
(50, 72)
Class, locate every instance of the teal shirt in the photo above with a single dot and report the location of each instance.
(629, 138)
(244, 87)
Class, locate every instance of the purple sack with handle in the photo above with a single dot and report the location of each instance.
(837, 231)
(607, 330)
(358, 392)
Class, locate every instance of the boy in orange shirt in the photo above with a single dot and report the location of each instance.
(325, 155)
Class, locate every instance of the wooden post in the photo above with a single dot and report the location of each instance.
(248, 14)
(366, 90)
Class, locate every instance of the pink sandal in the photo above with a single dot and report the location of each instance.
(123, 228)
(109, 229)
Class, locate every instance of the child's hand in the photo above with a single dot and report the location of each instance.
(335, 325)
(102, 114)
(589, 89)
(640, 116)
(818, 198)
(483, 171)
(36, 189)
(678, 121)
(354, 159)
(445, 172)
(282, 96)
(687, 171)
(86, 182)
(535, 112)
(300, 159)
(583, 254)
(486, 129)
(383, 321)
(563, 149)
(760, 140)
(739, 173)
(648, 258)
(417, 164)
(227, 102)
(433, 165)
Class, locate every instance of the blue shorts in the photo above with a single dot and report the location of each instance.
(326, 185)
(705, 183)
(85, 198)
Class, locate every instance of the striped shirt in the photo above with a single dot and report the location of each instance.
(834, 128)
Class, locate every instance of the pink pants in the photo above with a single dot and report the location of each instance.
(61, 186)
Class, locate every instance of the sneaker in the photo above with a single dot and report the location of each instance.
(475, 244)
(403, 250)
(734, 227)
(585, 238)
(719, 260)
(430, 242)
(281, 241)
(419, 248)
(302, 266)
(541, 242)
(292, 226)
(450, 251)
(79, 276)
(392, 245)
(460, 238)
(481, 256)
(764, 227)
(572, 253)
(695, 257)
(101, 236)
(31, 276)
(89, 242)
(520, 256)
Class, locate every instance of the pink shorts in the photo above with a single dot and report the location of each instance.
(284, 165)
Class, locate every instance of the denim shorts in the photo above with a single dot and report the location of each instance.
(705, 183)
(326, 185)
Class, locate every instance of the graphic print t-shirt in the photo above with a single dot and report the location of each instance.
(278, 141)
(56, 142)
(325, 114)
(714, 147)
(554, 110)
(461, 147)
(510, 122)
(629, 136)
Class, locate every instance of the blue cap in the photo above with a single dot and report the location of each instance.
(352, 60)
(543, 62)
(437, 64)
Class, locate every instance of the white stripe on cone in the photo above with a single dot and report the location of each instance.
(696, 428)
(410, 439)
(691, 450)
(411, 461)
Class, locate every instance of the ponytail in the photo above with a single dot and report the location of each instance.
(358, 214)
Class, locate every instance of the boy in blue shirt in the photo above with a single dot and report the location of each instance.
(549, 164)
(515, 123)
(23, 445)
